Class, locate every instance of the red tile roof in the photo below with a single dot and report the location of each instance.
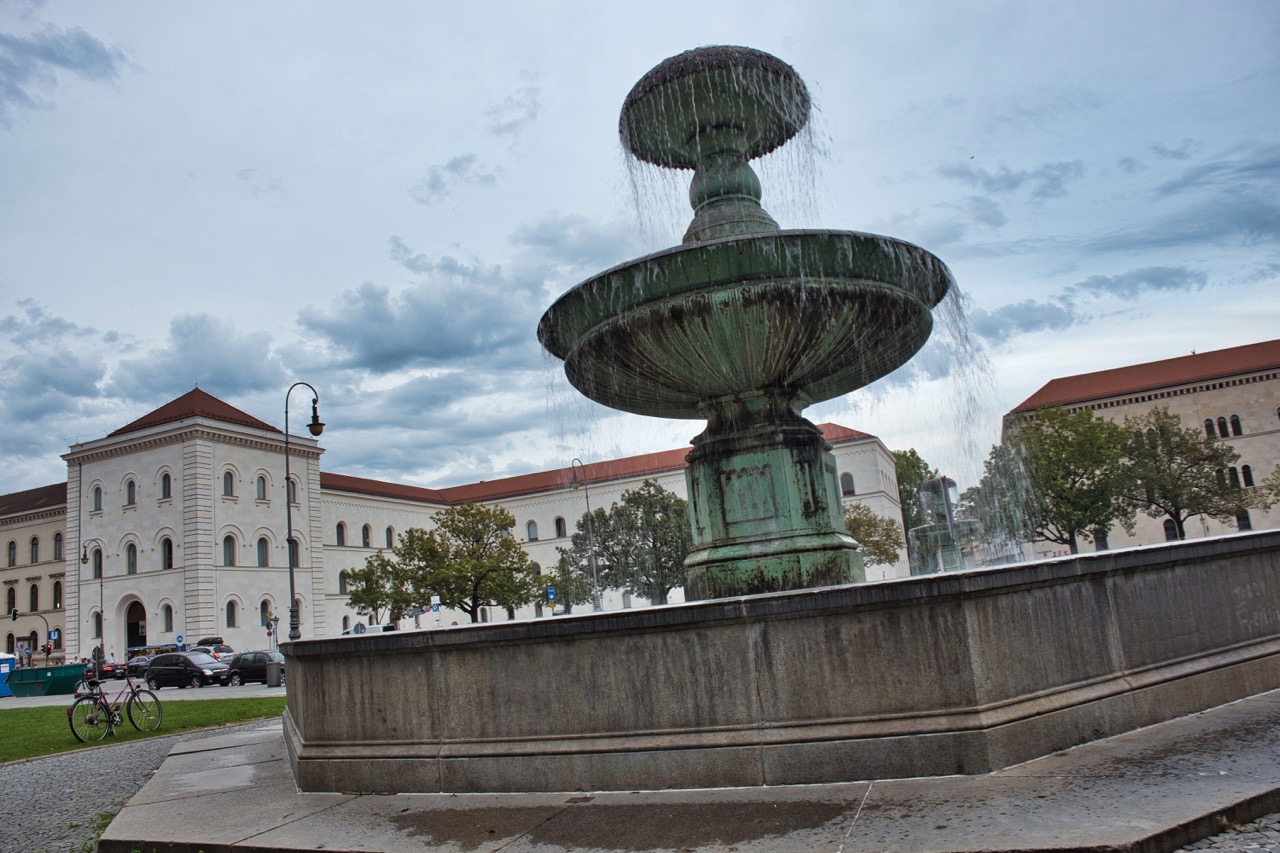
(33, 499)
(195, 403)
(644, 465)
(1199, 367)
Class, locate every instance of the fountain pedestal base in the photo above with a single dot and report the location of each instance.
(766, 510)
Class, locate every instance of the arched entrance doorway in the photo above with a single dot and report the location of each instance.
(135, 625)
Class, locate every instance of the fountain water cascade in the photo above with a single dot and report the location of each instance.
(958, 673)
(745, 325)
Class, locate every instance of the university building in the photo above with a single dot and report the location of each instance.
(1232, 394)
(175, 525)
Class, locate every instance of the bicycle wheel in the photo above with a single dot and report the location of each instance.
(144, 711)
(89, 720)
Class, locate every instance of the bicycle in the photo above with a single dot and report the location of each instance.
(93, 716)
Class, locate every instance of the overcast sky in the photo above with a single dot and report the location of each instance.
(381, 199)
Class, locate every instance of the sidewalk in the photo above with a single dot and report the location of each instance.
(1153, 790)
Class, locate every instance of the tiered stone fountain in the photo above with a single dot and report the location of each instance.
(744, 325)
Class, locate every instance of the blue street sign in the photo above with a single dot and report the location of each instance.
(54, 634)
(178, 639)
(435, 608)
(551, 593)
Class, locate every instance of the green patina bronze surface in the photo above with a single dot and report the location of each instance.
(744, 325)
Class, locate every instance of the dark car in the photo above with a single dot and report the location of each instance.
(186, 669)
(137, 666)
(252, 666)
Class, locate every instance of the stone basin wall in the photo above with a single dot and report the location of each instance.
(946, 674)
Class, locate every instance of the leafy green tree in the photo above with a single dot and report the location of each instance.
(378, 589)
(880, 538)
(1180, 472)
(1270, 488)
(640, 543)
(912, 472)
(572, 583)
(470, 560)
(1077, 476)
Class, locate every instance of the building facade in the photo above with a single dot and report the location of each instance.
(175, 527)
(1231, 394)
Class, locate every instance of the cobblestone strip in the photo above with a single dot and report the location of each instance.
(52, 804)
(1256, 836)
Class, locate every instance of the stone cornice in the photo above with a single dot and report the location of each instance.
(49, 513)
(185, 432)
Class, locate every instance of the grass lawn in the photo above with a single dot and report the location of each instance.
(32, 732)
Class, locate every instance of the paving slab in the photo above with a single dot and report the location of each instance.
(1156, 789)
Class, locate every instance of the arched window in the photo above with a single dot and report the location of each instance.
(1243, 521)
(13, 553)
(391, 538)
(57, 595)
(167, 612)
(1170, 530)
(1222, 478)
(11, 600)
(264, 552)
(131, 559)
(342, 582)
(1236, 428)
(562, 529)
(35, 550)
(531, 531)
(292, 488)
(97, 499)
(261, 487)
(346, 624)
(57, 546)
(35, 597)
(166, 553)
(846, 485)
(130, 493)
(293, 553)
(1222, 427)
(57, 639)
(297, 603)
(97, 626)
(1208, 428)
(166, 486)
(1235, 477)
(264, 614)
(341, 537)
(97, 563)
(231, 614)
(228, 550)
(228, 484)
(366, 536)
(1246, 473)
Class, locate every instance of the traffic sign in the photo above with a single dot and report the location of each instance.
(178, 639)
(551, 593)
(435, 608)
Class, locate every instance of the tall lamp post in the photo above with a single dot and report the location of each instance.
(316, 427)
(574, 466)
(102, 613)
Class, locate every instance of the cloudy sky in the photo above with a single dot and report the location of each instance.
(382, 198)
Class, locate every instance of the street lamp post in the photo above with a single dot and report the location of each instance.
(574, 466)
(102, 571)
(316, 427)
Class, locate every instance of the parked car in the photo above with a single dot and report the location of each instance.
(217, 651)
(137, 666)
(186, 669)
(252, 666)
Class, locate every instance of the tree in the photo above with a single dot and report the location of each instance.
(378, 589)
(572, 583)
(880, 538)
(911, 472)
(1270, 488)
(640, 543)
(1078, 476)
(1181, 472)
(1000, 503)
(470, 560)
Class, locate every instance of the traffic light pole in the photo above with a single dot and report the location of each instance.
(48, 640)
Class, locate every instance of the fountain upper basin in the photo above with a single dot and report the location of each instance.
(811, 313)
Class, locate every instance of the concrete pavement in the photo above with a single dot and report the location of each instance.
(1156, 789)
